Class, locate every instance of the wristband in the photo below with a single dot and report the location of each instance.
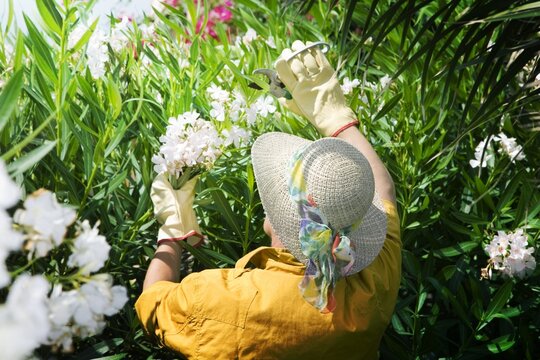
(345, 127)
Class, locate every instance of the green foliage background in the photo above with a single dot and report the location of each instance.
(461, 71)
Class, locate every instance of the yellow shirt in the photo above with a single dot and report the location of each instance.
(259, 313)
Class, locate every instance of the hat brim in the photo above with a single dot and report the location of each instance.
(271, 154)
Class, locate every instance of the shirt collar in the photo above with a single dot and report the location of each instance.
(270, 258)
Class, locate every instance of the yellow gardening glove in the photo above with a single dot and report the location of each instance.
(174, 211)
(315, 89)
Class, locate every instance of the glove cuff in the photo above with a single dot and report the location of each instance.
(197, 240)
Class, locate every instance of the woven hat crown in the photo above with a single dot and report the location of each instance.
(340, 180)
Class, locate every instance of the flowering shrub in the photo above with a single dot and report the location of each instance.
(90, 109)
(484, 154)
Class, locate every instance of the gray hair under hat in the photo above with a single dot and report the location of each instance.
(339, 179)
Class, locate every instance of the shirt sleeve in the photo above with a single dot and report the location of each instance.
(165, 308)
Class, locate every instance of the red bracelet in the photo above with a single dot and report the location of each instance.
(345, 127)
(184, 237)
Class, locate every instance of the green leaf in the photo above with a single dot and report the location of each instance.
(455, 250)
(9, 96)
(85, 37)
(531, 10)
(501, 344)
(219, 256)
(500, 299)
(113, 357)
(223, 205)
(388, 106)
(53, 22)
(115, 99)
(100, 348)
(19, 51)
(33, 157)
(199, 254)
(41, 51)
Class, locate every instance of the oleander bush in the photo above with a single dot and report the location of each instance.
(446, 91)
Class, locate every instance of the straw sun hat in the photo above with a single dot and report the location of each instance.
(338, 178)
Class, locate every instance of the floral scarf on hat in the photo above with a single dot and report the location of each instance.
(329, 251)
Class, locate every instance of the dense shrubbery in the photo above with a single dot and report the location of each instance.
(449, 102)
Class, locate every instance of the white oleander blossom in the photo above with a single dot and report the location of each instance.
(24, 322)
(385, 81)
(119, 38)
(44, 221)
(510, 147)
(483, 154)
(348, 85)
(510, 254)
(218, 111)
(265, 105)
(271, 42)
(97, 54)
(189, 141)
(10, 240)
(218, 94)
(76, 35)
(81, 312)
(251, 114)
(90, 249)
(249, 36)
(237, 105)
(236, 135)
(61, 306)
(10, 192)
(147, 31)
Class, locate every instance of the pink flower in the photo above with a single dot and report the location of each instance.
(220, 13)
(209, 29)
(173, 3)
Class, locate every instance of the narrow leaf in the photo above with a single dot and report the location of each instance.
(458, 249)
(499, 300)
(33, 157)
(9, 96)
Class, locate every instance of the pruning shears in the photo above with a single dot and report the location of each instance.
(276, 87)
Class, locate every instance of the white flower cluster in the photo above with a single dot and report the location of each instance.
(29, 318)
(383, 83)
(81, 312)
(510, 254)
(247, 38)
(91, 250)
(192, 141)
(44, 221)
(97, 51)
(348, 85)
(189, 141)
(250, 36)
(510, 147)
(375, 88)
(237, 109)
(484, 154)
